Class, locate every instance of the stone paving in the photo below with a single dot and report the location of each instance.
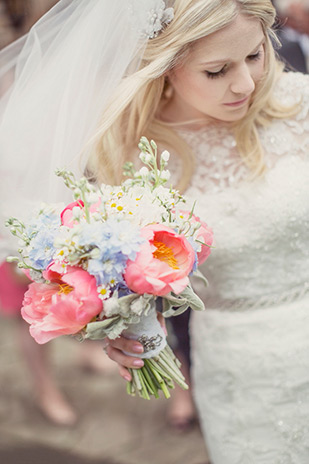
(113, 428)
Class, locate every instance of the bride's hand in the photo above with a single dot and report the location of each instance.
(115, 351)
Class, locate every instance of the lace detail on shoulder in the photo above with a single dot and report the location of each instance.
(294, 88)
(289, 136)
(218, 164)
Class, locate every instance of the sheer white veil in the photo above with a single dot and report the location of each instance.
(54, 84)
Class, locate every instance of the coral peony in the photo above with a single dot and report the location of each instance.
(163, 263)
(63, 306)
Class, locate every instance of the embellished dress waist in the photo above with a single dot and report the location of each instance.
(260, 301)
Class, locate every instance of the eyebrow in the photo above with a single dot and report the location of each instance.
(225, 60)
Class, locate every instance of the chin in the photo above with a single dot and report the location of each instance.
(234, 115)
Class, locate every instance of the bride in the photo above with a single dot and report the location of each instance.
(204, 81)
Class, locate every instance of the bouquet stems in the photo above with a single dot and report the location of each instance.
(158, 373)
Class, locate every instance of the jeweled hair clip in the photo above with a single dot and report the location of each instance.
(149, 17)
(158, 17)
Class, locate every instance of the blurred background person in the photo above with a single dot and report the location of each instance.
(7, 33)
(16, 18)
(294, 33)
(23, 14)
(48, 397)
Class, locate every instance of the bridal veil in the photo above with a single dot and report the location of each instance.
(54, 85)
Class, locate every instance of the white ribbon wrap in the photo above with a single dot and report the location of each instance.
(149, 333)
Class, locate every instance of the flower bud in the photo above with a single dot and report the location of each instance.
(144, 171)
(165, 156)
(165, 175)
(12, 259)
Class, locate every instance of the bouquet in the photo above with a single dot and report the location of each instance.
(101, 264)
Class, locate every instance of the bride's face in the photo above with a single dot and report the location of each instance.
(219, 76)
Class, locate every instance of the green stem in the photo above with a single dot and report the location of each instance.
(158, 373)
(136, 380)
(151, 385)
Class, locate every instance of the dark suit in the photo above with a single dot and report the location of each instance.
(292, 54)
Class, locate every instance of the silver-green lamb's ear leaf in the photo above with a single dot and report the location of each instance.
(173, 299)
(101, 329)
(128, 306)
(192, 299)
(175, 312)
(201, 276)
(173, 304)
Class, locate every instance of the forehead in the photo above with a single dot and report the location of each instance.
(234, 41)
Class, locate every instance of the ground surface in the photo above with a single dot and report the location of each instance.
(112, 428)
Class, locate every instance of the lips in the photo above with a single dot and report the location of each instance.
(237, 103)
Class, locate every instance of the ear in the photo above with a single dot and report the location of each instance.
(168, 87)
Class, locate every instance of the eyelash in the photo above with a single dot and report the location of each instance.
(223, 71)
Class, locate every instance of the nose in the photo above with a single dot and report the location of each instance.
(243, 82)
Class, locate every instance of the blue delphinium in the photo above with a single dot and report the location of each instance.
(110, 245)
(43, 232)
(196, 247)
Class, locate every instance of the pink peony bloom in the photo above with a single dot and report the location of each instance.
(67, 214)
(163, 263)
(204, 234)
(62, 307)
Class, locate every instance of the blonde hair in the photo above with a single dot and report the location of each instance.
(132, 111)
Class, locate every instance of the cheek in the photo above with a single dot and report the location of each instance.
(191, 86)
(203, 91)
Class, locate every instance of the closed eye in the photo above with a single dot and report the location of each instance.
(214, 75)
(223, 71)
(256, 56)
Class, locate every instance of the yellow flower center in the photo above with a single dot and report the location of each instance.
(165, 254)
(64, 289)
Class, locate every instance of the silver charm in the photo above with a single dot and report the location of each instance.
(150, 343)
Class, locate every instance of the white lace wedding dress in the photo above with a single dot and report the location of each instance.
(251, 345)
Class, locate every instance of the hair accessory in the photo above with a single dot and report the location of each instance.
(158, 17)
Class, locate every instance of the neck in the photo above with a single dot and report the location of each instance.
(173, 113)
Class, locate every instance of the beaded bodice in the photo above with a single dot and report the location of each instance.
(261, 227)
